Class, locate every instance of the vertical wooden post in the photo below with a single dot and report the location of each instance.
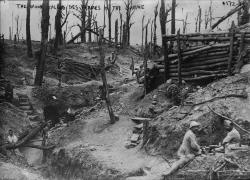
(145, 132)
(179, 57)
(166, 64)
(145, 60)
(241, 52)
(230, 59)
(104, 79)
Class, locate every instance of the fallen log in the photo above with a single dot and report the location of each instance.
(230, 13)
(225, 117)
(39, 147)
(205, 77)
(201, 67)
(213, 48)
(200, 62)
(206, 39)
(219, 34)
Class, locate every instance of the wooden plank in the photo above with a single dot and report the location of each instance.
(140, 119)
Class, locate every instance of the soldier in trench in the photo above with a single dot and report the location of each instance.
(232, 141)
(188, 150)
(51, 113)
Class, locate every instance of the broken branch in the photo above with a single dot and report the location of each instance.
(246, 131)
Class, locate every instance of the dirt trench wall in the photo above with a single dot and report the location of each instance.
(78, 164)
(76, 96)
(167, 137)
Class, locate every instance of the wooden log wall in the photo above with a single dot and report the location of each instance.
(203, 56)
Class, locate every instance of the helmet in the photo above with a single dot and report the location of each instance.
(194, 124)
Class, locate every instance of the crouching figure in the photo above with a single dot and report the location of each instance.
(188, 150)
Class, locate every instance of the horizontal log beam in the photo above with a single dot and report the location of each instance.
(201, 67)
(221, 34)
(199, 72)
(203, 77)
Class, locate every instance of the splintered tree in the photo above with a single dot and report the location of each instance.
(28, 38)
(142, 32)
(81, 15)
(146, 58)
(120, 27)
(90, 14)
(44, 43)
(109, 12)
(104, 79)
(59, 25)
(199, 19)
(116, 32)
(163, 20)
(124, 35)
(171, 46)
(58, 29)
(173, 17)
(185, 24)
(129, 13)
(155, 26)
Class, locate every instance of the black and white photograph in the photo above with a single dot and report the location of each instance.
(124, 89)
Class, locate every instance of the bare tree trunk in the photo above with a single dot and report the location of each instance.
(83, 20)
(58, 27)
(163, 19)
(129, 13)
(155, 26)
(105, 84)
(109, 11)
(200, 20)
(171, 46)
(28, 38)
(142, 33)
(120, 28)
(124, 35)
(173, 17)
(185, 24)
(44, 42)
(151, 38)
(89, 23)
(145, 60)
(179, 57)
(10, 37)
(104, 17)
(116, 32)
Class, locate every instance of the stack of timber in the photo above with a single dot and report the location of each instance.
(204, 56)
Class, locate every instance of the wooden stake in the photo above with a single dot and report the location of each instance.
(241, 52)
(231, 49)
(179, 57)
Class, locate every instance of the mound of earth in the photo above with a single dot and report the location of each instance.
(81, 95)
(11, 171)
(168, 128)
